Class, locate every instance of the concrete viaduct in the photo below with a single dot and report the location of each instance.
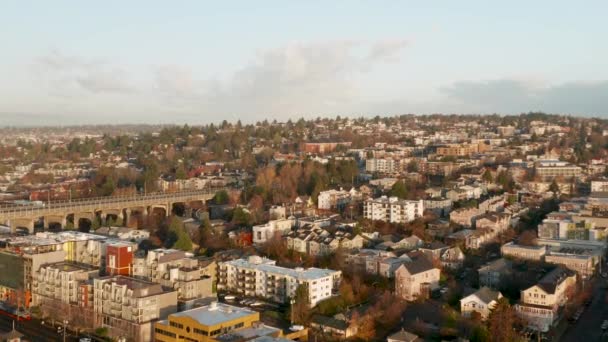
(121, 207)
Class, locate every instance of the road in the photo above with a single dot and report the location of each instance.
(33, 330)
(587, 328)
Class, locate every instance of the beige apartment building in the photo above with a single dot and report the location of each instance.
(176, 270)
(128, 307)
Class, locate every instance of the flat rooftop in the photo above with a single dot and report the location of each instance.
(214, 314)
(298, 273)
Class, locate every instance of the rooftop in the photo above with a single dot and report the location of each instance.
(215, 313)
(267, 265)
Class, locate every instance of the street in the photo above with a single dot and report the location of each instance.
(587, 328)
(33, 330)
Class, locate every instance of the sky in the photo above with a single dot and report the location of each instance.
(196, 62)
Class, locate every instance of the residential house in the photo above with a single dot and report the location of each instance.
(494, 273)
(481, 302)
(541, 304)
(416, 278)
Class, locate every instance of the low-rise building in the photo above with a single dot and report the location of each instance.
(392, 209)
(481, 302)
(536, 253)
(260, 277)
(464, 216)
(416, 279)
(313, 240)
(215, 322)
(541, 304)
(494, 273)
(333, 199)
(264, 232)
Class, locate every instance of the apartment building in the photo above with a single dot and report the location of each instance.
(383, 165)
(264, 232)
(260, 277)
(513, 250)
(599, 185)
(581, 261)
(417, 278)
(333, 199)
(176, 270)
(464, 216)
(494, 222)
(64, 282)
(549, 169)
(392, 209)
(128, 306)
(539, 305)
(439, 206)
(462, 150)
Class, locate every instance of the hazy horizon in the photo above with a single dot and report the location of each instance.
(68, 63)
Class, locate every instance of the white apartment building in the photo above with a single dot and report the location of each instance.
(264, 232)
(260, 277)
(64, 282)
(555, 168)
(392, 209)
(599, 186)
(331, 199)
(383, 165)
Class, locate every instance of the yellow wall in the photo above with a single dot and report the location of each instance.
(188, 322)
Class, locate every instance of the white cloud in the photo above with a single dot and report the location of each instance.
(66, 75)
(297, 79)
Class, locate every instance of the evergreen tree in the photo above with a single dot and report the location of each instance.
(399, 189)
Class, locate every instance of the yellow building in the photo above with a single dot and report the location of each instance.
(204, 324)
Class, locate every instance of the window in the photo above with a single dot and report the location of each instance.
(164, 333)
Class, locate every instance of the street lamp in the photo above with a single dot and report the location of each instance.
(65, 323)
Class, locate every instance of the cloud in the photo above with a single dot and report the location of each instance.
(296, 79)
(64, 75)
(387, 49)
(515, 96)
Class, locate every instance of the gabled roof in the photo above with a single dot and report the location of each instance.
(404, 336)
(551, 280)
(486, 295)
(419, 264)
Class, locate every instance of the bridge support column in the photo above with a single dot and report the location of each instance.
(22, 223)
(125, 215)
